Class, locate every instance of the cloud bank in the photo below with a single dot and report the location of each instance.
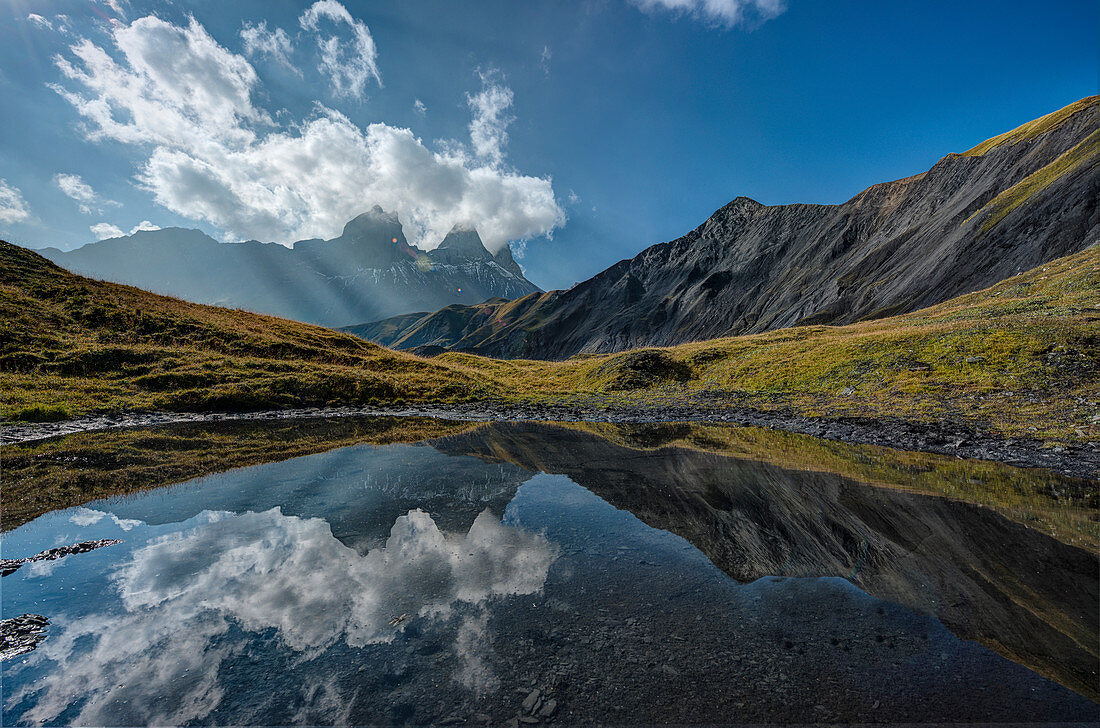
(211, 154)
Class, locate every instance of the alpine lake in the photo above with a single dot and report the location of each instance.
(389, 571)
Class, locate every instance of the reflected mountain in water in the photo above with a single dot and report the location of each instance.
(1014, 589)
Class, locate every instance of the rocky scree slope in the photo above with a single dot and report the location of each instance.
(1009, 204)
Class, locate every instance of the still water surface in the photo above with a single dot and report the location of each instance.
(447, 581)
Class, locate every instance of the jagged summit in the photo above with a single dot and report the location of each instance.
(374, 223)
(368, 272)
(464, 240)
(504, 259)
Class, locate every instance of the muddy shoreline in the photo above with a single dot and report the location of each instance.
(1081, 460)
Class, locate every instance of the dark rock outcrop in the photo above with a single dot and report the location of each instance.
(10, 566)
(370, 271)
(1008, 205)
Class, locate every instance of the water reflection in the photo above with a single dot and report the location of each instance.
(1013, 588)
(181, 593)
(376, 585)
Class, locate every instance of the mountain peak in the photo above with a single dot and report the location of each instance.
(464, 240)
(374, 223)
(504, 259)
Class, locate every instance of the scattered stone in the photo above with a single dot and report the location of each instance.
(529, 719)
(846, 391)
(670, 670)
(21, 634)
(974, 359)
(10, 566)
(548, 708)
(531, 701)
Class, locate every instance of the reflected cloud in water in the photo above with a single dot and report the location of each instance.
(185, 596)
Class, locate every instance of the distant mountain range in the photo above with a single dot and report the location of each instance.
(368, 272)
(1009, 204)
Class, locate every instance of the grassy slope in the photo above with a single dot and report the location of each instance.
(70, 345)
(76, 345)
(1033, 342)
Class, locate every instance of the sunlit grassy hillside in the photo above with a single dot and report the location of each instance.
(70, 345)
(1021, 357)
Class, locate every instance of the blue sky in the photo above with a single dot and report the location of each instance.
(591, 129)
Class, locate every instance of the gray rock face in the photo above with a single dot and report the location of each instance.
(370, 271)
(973, 219)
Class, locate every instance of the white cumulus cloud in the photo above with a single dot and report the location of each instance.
(272, 44)
(39, 21)
(144, 225)
(726, 13)
(213, 155)
(13, 208)
(80, 191)
(105, 230)
(489, 127)
(349, 56)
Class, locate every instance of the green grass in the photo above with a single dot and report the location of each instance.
(1019, 358)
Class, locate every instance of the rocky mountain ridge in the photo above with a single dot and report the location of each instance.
(1011, 203)
(755, 519)
(369, 271)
